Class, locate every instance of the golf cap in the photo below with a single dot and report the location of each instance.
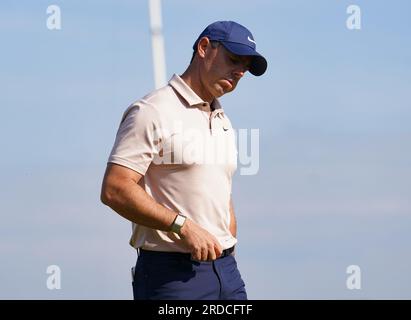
(238, 40)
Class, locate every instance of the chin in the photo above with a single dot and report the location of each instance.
(218, 91)
(221, 93)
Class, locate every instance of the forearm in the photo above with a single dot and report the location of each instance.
(132, 202)
(123, 191)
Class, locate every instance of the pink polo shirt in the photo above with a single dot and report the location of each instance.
(187, 154)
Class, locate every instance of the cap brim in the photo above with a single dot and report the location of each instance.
(258, 63)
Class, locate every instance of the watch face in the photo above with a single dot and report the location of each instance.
(178, 223)
(180, 220)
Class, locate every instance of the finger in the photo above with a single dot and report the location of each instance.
(212, 255)
(204, 254)
(218, 250)
(196, 255)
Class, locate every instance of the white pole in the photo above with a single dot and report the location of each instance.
(157, 43)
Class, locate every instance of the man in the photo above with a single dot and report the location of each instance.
(170, 173)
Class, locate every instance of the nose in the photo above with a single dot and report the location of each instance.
(239, 73)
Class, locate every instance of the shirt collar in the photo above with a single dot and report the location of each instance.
(191, 97)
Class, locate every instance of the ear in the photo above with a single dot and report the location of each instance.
(202, 46)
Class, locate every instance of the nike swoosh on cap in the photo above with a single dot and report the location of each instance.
(251, 40)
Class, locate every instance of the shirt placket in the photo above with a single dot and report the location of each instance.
(212, 116)
(205, 110)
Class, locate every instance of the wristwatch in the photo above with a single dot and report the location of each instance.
(178, 223)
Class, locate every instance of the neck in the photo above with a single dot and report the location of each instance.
(192, 78)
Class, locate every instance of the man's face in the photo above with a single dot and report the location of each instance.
(222, 70)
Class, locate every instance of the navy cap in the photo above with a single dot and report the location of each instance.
(238, 40)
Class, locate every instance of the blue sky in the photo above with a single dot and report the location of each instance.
(333, 111)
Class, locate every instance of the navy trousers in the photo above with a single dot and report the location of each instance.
(174, 276)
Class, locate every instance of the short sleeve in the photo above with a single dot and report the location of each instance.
(138, 138)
